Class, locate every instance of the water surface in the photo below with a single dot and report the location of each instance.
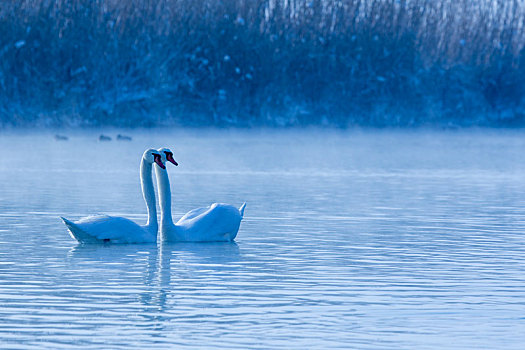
(368, 240)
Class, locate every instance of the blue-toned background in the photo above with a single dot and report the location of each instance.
(262, 62)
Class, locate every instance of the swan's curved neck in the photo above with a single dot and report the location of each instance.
(146, 182)
(163, 185)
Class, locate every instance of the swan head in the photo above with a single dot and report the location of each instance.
(153, 156)
(167, 155)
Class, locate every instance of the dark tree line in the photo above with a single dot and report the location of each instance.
(262, 62)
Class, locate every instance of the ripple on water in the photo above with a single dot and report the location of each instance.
(359, 241)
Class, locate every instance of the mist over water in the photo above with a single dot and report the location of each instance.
(354, 239)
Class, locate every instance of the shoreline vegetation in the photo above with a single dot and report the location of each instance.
(370, 63)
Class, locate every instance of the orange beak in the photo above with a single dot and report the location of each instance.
(169, 157)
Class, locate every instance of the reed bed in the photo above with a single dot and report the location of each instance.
(262, 62)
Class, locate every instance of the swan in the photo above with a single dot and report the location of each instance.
(104, 228)
(216, 223)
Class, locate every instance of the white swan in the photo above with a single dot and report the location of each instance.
(217, 223)
(104, 228)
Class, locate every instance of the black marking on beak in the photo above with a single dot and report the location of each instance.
(169, 157)
(156, 158)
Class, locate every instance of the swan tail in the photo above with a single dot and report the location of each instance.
(241, 209)
(76, 232)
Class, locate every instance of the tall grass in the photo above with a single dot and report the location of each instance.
(262, 62)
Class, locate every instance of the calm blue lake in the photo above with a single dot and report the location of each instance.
(351, 240)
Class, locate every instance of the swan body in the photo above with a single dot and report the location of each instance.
(104, 228)
(218, 222)
(114, 229)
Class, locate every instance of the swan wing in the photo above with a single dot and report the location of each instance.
(218, 222)
(194, 213)
(104, 228)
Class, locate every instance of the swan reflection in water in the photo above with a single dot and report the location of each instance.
(153, 274)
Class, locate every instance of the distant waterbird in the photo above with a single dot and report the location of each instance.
(218, 222)
(112, 229)
(104, 138)
(61, 137)
(123, 137)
